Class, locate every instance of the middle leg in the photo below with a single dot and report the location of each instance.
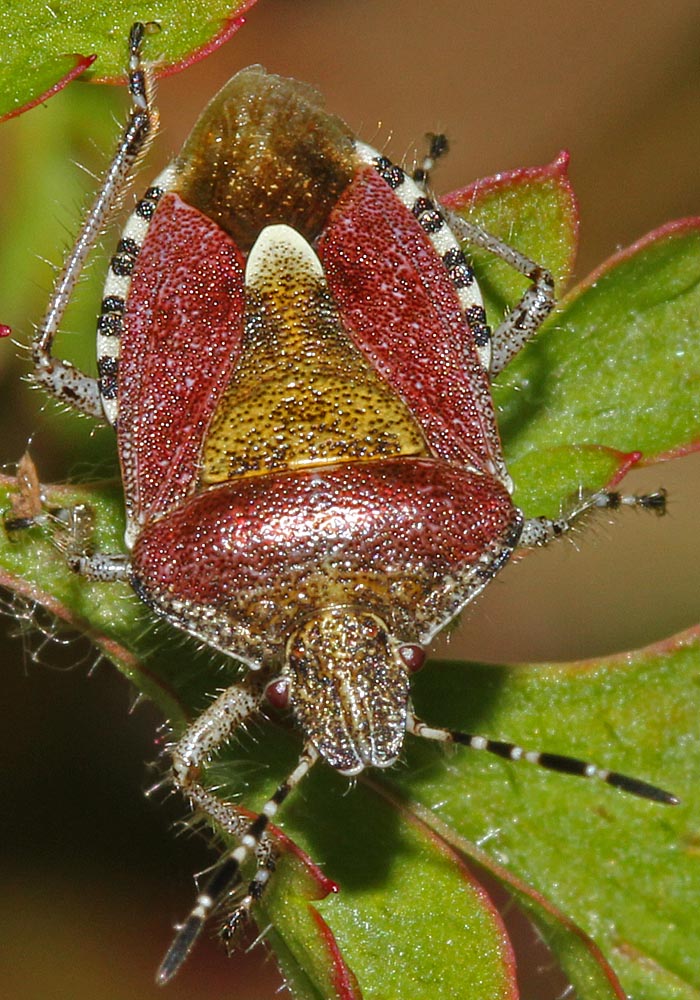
(539, 531)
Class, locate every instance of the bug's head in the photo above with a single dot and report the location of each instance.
(346, 680)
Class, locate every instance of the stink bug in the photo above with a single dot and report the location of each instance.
(294, 351)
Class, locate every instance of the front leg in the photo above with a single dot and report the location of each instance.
(71, 528)
(60, 378)
(213, 728)
(526, 317)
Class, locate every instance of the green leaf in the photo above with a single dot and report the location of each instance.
(624, 870)
(614, 371)
(533, 209)
(47, 45)
(618, 364)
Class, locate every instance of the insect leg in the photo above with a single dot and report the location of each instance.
(523, 321)
(197, 744)
(438, 146)
(71, 528)
(208, 732)
(61, 378)
(72, 538)
(551, 761)
(539, 531)
(235, 823)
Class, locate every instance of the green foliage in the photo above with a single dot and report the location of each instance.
(615, 369)
(46, 44)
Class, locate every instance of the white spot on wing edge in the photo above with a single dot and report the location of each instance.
(110, 408)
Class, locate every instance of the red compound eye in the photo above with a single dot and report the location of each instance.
(277, 693)
(413, 657)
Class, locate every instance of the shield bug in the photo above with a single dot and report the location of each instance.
(294, 351)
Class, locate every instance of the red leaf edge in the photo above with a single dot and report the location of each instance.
(477, 190)
(325, 886)
(626, 460)
(229, 27)
(428, 819)
(344, 980)
(557, 170)
(618, 661)
(82, 63)
(667, 456)
(677, 227)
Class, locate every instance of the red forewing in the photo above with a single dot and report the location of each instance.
(184, 323)
(403, 312)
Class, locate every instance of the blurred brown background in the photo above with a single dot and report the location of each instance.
(91, 872)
